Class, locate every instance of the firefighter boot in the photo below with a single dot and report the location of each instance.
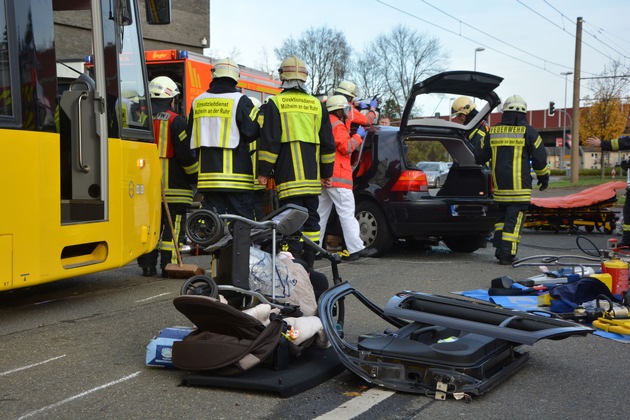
(165, 259)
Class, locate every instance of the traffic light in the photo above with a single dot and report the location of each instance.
(552, 109)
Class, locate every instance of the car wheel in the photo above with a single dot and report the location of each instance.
(373, 227)
(464, 243)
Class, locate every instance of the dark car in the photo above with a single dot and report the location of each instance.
(392, 196)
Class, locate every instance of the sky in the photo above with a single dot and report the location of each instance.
(527, 42)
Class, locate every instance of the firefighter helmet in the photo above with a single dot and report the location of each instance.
(292, 68)
(226, 67)
(515, 103)
(336, 102)
(347, 88)
(163, 87)
(462, 105)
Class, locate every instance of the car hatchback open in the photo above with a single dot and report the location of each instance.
(392, 194)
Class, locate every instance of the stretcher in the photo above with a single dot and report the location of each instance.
(590, 209)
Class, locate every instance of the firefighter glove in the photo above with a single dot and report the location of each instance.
(373, 103)
(543, 181)
(363, 105)
(361, 131)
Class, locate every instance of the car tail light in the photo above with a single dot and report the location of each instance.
(411, 181)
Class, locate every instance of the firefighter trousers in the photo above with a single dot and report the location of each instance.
(508, 229)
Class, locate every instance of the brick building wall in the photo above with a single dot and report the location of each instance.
(190, 22)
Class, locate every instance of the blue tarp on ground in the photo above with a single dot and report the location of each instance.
(529, 303)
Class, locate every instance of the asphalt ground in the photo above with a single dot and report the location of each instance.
(76, 349)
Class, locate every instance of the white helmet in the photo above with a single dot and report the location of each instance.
(347, 88)
(336, 102)
(226, 67)
(462, 105)
(163, 87)
(515, 103)
(255, 101)
(292, 68)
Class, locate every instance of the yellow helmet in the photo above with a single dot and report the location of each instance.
(292, 68)
(462, 105)
(226, 67)
(336, 102)
(515, 103)
(347, 88)
(163, 87)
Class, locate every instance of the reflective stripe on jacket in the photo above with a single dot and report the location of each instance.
(178, 161)
(296, 144)
(227, 165)
(214, 120)
(511, 146)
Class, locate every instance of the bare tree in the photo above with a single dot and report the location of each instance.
(264, 64)
(325, 51)
(397, 61)
(368, 77)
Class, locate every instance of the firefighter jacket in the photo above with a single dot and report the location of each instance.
(296, 145)
(622, 143)
(511, 145)
(253, 146)
(222, 123)
(346, 144)
(615, 145)
(179, 163)
(477, 136)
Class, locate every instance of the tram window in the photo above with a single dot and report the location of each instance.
(133, 105)
(6, 108)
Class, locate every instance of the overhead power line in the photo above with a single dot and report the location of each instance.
(562, 28)
(466, 37)
(494, 37)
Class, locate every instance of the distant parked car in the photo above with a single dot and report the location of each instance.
(392, 195)
(436, 172)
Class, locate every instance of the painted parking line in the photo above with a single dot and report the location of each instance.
(152, 297)
(358, 405)
(74, 397)
(8, 372)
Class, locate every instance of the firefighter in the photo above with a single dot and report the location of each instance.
(259, 190)
(622, 143)
(511, 145)
(179, 171)
(340, 193)
(350, 91)
(222, 123)
(463, 111)
(297, 146)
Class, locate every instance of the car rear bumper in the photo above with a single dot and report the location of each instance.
(435, 217)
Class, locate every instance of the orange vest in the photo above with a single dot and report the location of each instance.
(162, 130)
(346, 144)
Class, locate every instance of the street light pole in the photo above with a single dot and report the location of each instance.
(564, 125)
(478, 49)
